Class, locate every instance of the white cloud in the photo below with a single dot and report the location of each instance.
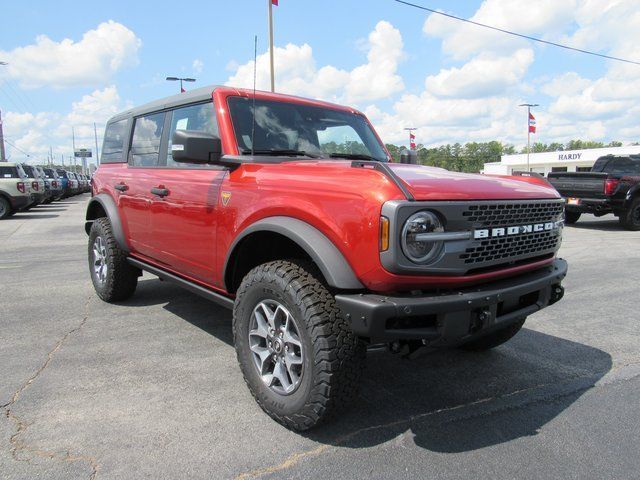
(197, 65)
(485, 75)
(34, 133)
(462, 40)
(91, 61)
(297, 73)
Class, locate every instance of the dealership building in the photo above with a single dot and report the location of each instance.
(565, 161)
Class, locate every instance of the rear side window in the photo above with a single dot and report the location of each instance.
(200, 118)
(145, 143)
(113, 145)
(9, 172)
(28, 169)
(624, 165)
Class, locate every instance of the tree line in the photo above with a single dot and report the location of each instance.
(472, 156)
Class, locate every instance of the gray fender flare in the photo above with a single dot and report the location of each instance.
(109, 206)
(323, 252)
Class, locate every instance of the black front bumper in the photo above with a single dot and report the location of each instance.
(453, 317)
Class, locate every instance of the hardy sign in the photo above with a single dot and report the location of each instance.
(82, 153)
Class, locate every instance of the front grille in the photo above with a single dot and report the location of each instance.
(531, 244)
(506, 214)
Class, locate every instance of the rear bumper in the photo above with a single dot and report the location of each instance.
(19, 202)
(595, 206)
(454, 317)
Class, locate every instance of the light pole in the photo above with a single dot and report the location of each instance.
(175, 79)
(528, 105)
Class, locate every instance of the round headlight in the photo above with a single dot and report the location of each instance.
(414, 245)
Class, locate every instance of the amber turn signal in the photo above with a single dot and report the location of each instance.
(384, 234)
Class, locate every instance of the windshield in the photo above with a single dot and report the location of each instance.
(298, 129)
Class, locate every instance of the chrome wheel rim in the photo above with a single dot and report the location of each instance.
(100, 267)
(275, 346)
(2, 209)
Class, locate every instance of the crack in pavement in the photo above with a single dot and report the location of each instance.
(575, 385)
(18, 445)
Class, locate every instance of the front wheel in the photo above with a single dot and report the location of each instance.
(494, 339)
(630, 218)
(299, 357)
(571, 217)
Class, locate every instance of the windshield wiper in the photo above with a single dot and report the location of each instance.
(354, 156)
(276, 152)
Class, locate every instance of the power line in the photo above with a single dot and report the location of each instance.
(17, 148)
(508, 32)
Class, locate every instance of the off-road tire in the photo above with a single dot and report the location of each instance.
(334, 357)
(494, 339)
(5, 208)
(121, 278)
(630, 218)
(571, 217)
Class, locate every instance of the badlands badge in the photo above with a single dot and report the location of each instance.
(226, 196)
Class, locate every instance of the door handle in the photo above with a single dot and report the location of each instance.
(121, 187)
(160, 191)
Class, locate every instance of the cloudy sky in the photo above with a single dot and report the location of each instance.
(74, 63)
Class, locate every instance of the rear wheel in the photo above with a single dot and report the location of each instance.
(630, 218)
(299, 357)
(494, 339)
(114, 279)
(5, 208)
(571, 217)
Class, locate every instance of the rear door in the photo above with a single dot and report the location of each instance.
(134, 183)
(184, 220)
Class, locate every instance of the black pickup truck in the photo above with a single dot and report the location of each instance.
(612, 186)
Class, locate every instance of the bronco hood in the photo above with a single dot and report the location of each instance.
(430, 183)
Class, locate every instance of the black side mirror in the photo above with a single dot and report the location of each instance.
(191, 146)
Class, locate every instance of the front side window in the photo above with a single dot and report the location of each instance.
(199, 118)
(113, 145)
(145, 144)
(301, 129)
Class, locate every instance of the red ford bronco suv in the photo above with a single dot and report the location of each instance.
(289, 211)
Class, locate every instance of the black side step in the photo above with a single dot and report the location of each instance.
(186, 284)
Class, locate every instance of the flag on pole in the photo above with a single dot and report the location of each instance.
(532, 123)
(274, 2)
(412, 141)
(182, 90)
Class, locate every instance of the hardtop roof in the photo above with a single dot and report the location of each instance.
(205, 93)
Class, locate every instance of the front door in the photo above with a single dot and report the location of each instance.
(185, 211)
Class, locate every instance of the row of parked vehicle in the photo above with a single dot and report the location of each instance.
(23, 186)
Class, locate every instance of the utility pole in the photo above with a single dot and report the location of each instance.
(3, 157)
(528, 105)
(273, 81)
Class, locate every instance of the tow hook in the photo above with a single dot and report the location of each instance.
(480, 321)
(557, 292)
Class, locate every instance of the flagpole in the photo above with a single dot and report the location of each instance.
(273, 83)
(528, 105)
(528, 135)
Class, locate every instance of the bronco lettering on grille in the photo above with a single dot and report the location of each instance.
(515, 230)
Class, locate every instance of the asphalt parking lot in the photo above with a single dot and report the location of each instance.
(151, 388)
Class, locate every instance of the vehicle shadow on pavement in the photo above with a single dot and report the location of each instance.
(449, 400)
(30, 214)
(607, 226)
(457, 401)
(199, 312)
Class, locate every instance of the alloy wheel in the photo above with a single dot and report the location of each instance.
(100, 267)
(276, 347)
